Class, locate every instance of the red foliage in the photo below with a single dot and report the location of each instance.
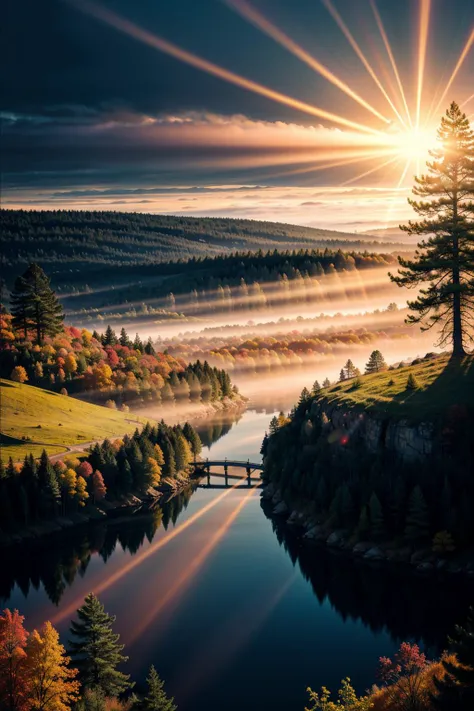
(13, 671)
(84, 469)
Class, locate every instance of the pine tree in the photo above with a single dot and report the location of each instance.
(377, 522)
(156, 698)
(124, 340)
(316, 387)
(350, 370)
(96, 650)
(455, 689)
(417, 523)
(376, 363)
(445, 260)
(34, 305)
(342, 375)
(193, 439)
(326, 383)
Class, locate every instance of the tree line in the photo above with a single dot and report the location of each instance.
(39, 490)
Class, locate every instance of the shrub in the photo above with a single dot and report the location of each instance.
(412, 382)
(63, 391)
(356, 384)
(124, 408)
(443, 543)
(111, 404)
(19, 374)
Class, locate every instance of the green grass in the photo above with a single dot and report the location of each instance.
(442, 384)
(53, 422)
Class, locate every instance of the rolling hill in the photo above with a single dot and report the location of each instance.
(65, 423)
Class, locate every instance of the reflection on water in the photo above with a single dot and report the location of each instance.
(224, 601)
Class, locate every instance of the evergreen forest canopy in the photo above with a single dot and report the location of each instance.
(82, 251)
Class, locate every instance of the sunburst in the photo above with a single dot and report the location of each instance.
(405, 136)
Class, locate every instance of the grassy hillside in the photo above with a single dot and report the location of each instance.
(53, 422)
(442, 385)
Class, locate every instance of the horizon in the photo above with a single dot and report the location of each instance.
(321, 123)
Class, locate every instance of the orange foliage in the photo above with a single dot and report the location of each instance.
(383, 698)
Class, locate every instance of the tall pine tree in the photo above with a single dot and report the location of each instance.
(34, 305)
(445, 261)
(96, 650)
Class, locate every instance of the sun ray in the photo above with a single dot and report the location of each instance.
(469, 99)
(146, 553)
(404, 173)
(193, 568)
(369, 172)
(257, 19)
(388, 47)
(160, 44)
(459, 63)
(425, 12)
(336, 164)
(355, 46)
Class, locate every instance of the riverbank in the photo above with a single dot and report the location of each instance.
(422, 559)
(116, 511)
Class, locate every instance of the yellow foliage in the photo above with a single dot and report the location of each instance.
(70, 363)
(53, 683)
(69, 483)
(81, 491)
(153, 471)
(383, 699)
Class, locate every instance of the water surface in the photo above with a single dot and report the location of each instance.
(229, 606)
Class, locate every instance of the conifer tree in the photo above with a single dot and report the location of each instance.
(96, 650)
(34, 304)
(377, 523)
(417, 524)
(156, 698)
(376, 363)
(455, 689)
(445, 261)
(193, 439)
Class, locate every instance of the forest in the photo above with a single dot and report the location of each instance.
(376, 496)
(39, 490)
(106, 368)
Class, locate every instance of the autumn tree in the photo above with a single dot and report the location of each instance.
(156, 698)
(53, 684)
(98, 487)
(347, 699)
(455, 689)
(14, 679)
(445, 260)
(96, 650)
(19, 374)
(34, 304)
(376, 363)
(404, 678)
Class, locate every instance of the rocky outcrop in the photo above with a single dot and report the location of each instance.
(410, 441)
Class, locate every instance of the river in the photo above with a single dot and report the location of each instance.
(230, 607)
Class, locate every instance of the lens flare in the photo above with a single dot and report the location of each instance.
(425, 12)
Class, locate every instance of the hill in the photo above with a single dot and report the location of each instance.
(65, 422)
(441, 385)
(67, 242)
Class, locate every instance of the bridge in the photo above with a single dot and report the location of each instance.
(203, 469)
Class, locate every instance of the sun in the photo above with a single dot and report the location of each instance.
(414, 143)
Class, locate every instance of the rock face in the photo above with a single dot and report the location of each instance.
(409, 441)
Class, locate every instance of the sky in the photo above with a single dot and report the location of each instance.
(315, 112)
